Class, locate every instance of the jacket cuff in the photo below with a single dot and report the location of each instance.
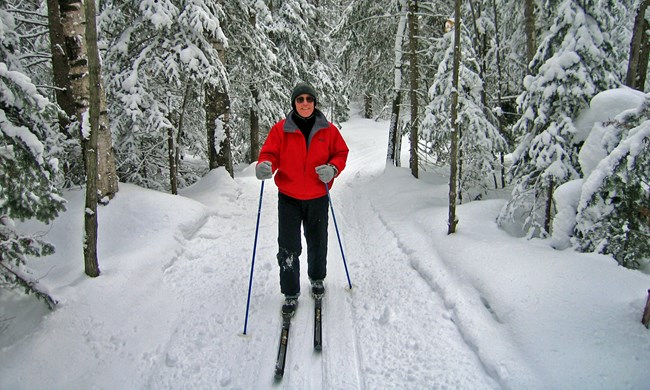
(336, 170)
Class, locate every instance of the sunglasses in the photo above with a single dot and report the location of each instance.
(308, 99)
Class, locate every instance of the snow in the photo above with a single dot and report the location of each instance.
(478, 309)
(603, 108)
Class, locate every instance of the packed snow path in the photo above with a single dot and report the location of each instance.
(391, 330)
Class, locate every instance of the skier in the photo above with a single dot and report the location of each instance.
(306, 152)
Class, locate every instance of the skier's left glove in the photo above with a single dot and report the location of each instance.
(326, 172)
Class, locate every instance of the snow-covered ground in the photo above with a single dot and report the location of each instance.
(478, 309)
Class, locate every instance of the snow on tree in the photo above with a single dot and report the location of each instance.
(613, 215)
(27, 164)
(306, 52)
(480, 141)
(259, 94)
(570, 67)
(159, 56)
(368, 29)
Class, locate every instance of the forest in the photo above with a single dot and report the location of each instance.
(158, 92)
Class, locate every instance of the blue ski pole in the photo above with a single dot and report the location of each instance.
(250, 283)
(345, 264)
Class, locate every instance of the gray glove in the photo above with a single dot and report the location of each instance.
(326, 172)
(263, 170)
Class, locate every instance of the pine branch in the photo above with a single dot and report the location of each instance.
(30, 286)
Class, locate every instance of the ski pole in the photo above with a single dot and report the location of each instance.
(345, 264)
(250, 282)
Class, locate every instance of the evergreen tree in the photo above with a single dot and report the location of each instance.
(305, 52)
(27, 165)
(613, 215)
(160, 55)
(570, 67)
(479, 140)
(368, 30)
(259, 94)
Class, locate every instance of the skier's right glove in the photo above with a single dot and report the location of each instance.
(263, 170)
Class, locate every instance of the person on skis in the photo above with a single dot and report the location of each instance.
(306, 152)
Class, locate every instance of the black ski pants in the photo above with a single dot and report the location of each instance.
(312, 216)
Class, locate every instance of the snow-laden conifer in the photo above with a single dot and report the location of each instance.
(159, 55)
(305, 52)
(570, 67)
(27, 164)
(613, 215)
(479, 141)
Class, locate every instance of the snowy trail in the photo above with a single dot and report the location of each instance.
(422, 346)
(365, 330)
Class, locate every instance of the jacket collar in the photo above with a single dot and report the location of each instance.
(321, 122)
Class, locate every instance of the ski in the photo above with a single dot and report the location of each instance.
(282, 349)
(318, 328)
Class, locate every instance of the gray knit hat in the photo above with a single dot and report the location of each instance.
(300, 89)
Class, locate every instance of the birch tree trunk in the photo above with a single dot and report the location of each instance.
(637, 67)
(453, 177)
(392, 156)
(413, 35)
(73, 24)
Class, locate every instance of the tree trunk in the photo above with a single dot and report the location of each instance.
(497, 41)
(529, 26)
(367, 106)
(94, 112)
(217, 104)
(255, 124)
(637, 67)
(645, 319)
(60, 69)
(548, 212)
(171, 156)
(392, 155)
(107, 184)
(73, 23)
(393, 130)
(453, 177)
(413, 34)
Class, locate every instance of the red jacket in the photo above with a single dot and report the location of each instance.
(294, 161)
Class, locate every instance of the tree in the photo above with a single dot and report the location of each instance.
(478, 140)
(413, 92)
(613, 215)
(259, 94)
(453, 177)
(91, 264)
(28, 166)
(73, 25)
(217, 117)
(531, 37)
(394, 136)
(301, 35)
(155, 52)
(570, 67)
